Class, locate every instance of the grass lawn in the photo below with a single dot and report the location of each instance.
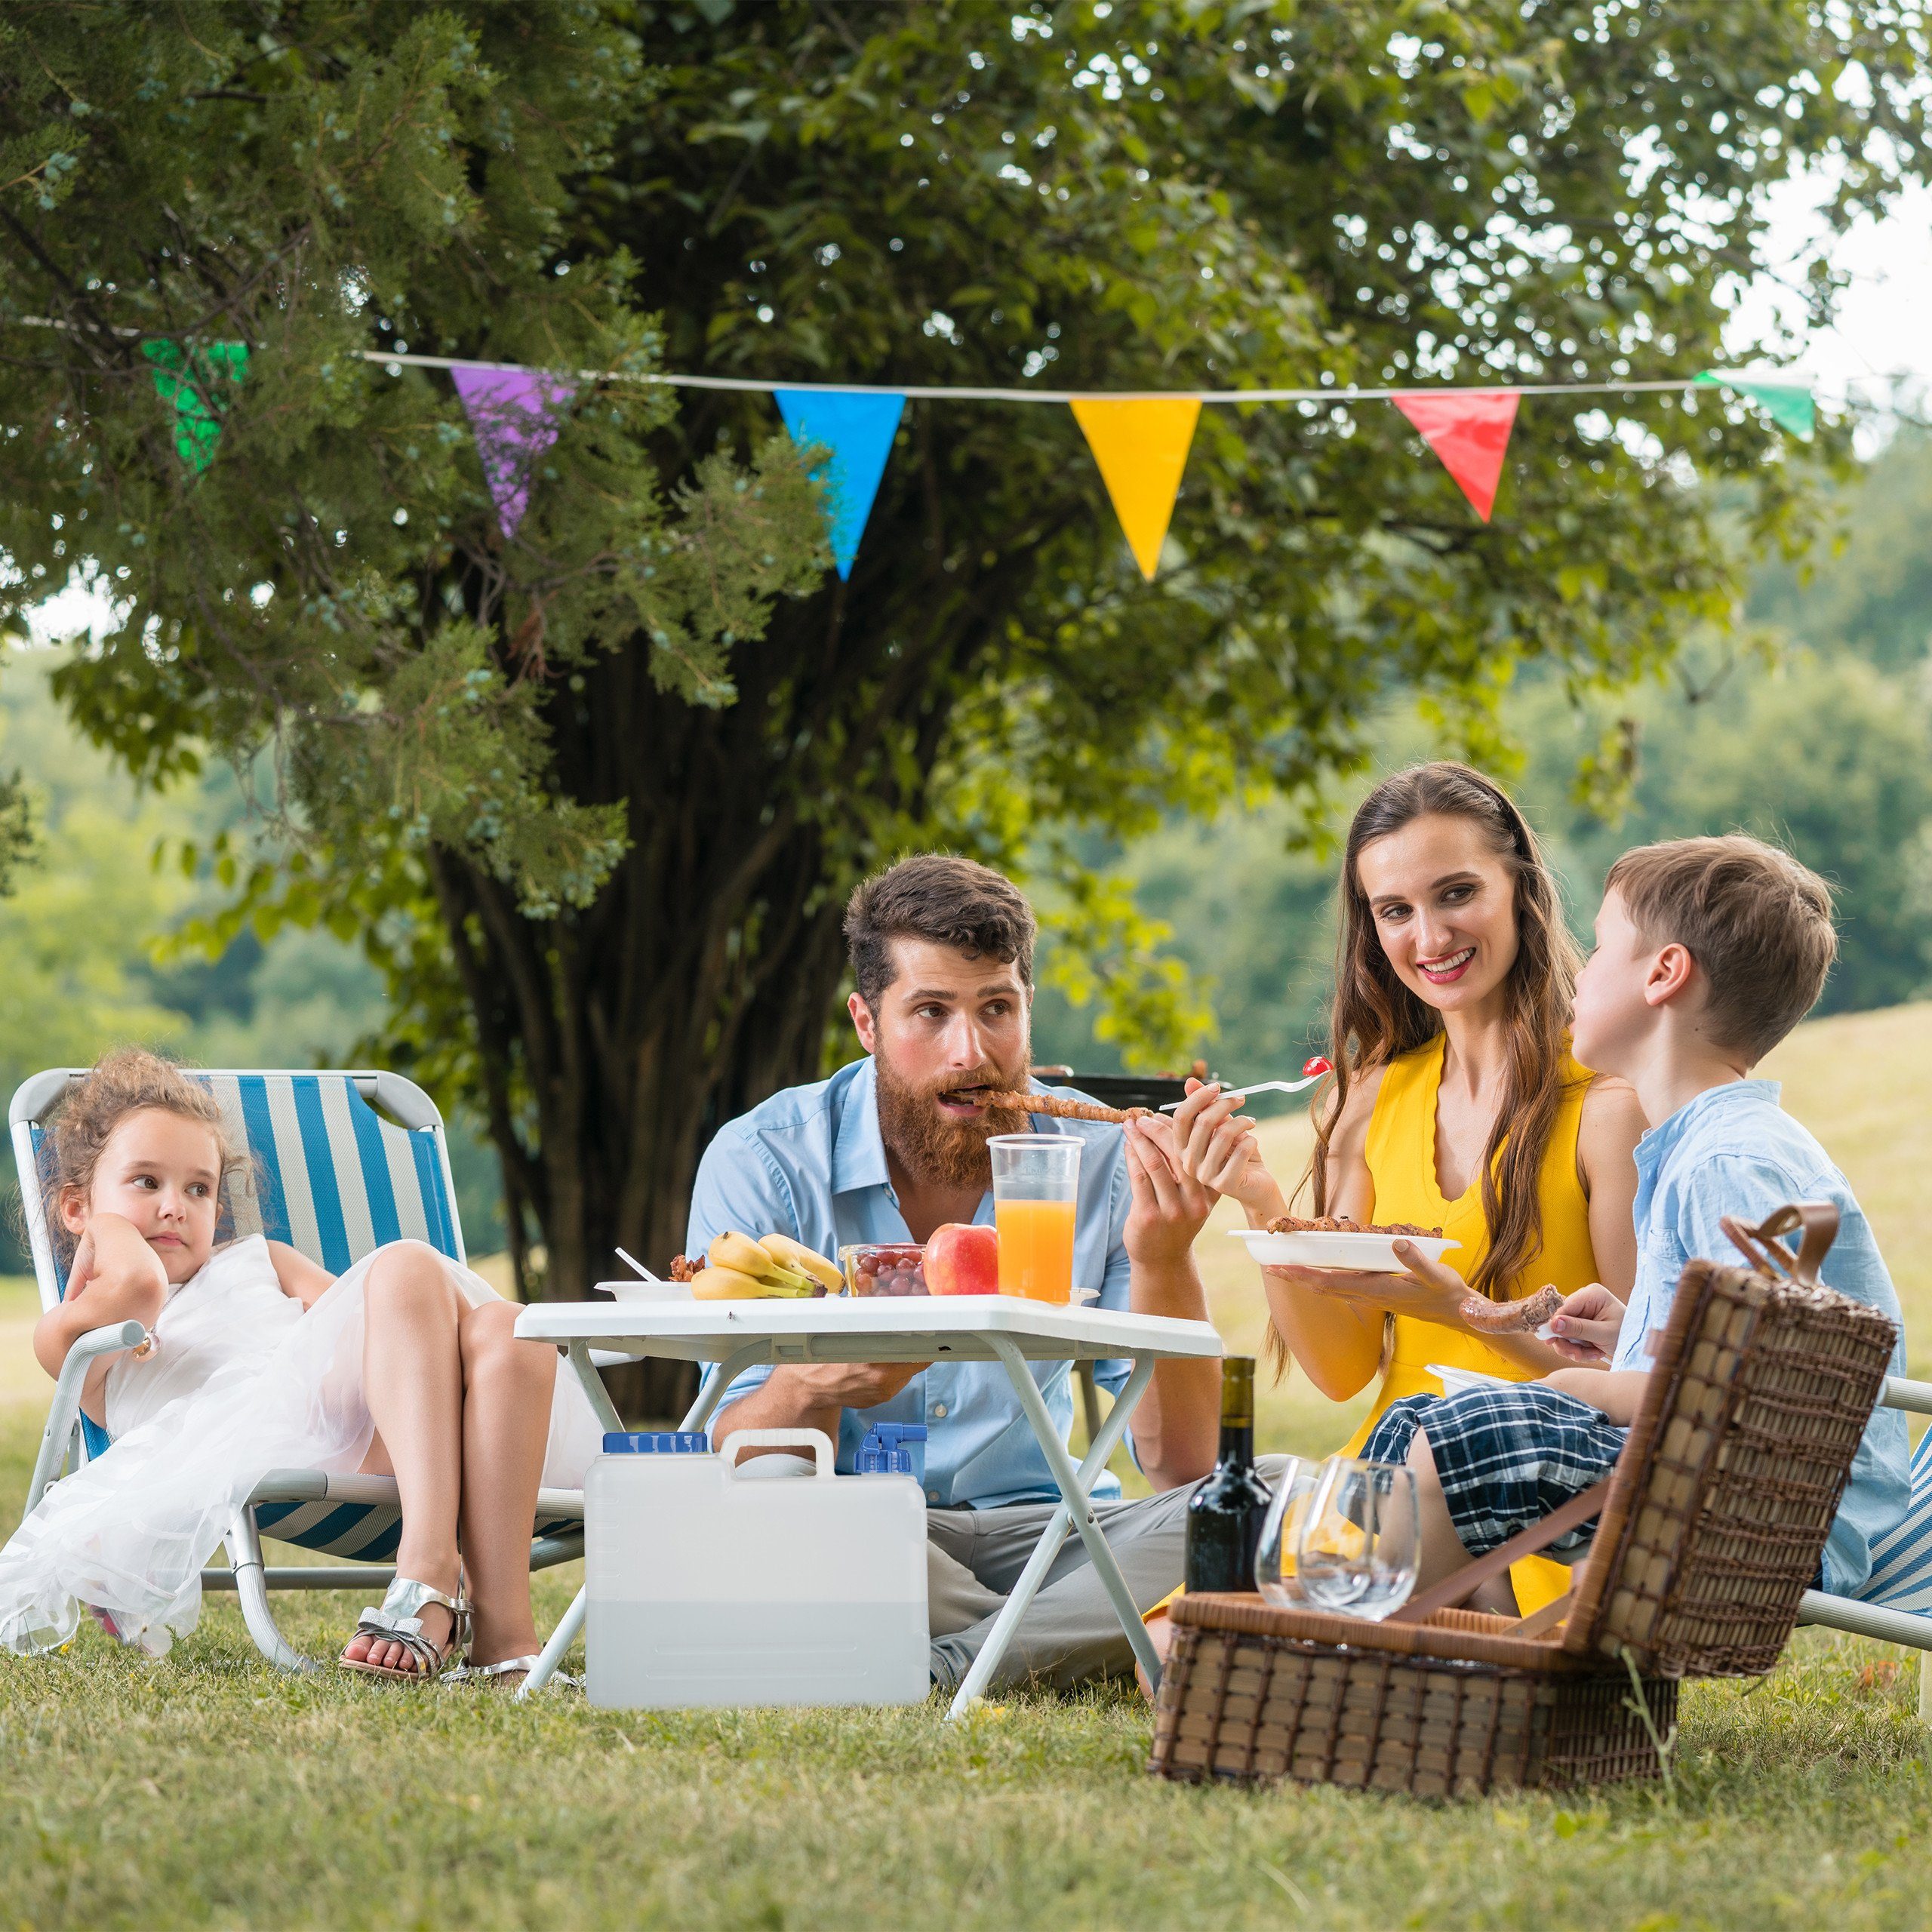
(207, 1790)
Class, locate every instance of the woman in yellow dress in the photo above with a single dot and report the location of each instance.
(1456, 1104)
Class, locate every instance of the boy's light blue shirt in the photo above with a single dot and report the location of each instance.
(1734, 1150)
(809, 1163)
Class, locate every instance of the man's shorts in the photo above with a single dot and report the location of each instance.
(1505, 1457)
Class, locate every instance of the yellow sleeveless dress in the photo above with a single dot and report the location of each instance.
(1401, 1163)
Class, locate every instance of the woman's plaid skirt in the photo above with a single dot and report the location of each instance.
(1505, 1457)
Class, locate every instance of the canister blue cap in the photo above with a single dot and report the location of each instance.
(886, 1450)
(661, 1442)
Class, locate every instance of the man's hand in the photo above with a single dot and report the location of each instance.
(1170, 1206)
(853, 1385)
(1178, 1421)
(1214, 1145)
(1585, 1329)
(796, 1397)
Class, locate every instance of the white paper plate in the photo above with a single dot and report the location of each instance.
(623, 1290)
(1357, 1253)
(1460, 1381)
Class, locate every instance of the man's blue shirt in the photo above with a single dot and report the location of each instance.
(810, 1163)
(1734, 1150)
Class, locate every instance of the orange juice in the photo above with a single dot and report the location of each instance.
(1036, 1248)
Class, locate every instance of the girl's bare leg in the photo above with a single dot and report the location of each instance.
(412, 1379)
(1443, 1552)
(507, 1386)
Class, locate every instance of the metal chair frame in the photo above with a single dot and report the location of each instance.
(64, 1443)
(1873, 1620)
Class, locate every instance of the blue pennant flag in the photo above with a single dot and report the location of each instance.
(857, 426)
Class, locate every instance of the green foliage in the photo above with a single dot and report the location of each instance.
(92, 937)
(1166, 195)
(323, 571)
(1826, 754)
(591, 797)
(1867, 584)
(1812, 727)
(70, 931)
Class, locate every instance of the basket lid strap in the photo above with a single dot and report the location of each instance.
(1556, 1611)
(1820, 1220)
(1457, 1587)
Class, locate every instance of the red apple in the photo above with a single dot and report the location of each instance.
(963, 1260)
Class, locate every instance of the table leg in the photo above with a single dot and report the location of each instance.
(593, 1386)
(711, 1392)
(1076, 1511)
(561, 1638)
(709, 1396)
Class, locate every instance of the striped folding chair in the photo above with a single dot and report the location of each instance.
(1896, 1603)
(339, 1163)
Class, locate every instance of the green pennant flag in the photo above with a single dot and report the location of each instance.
(189, 384)
(1787, 405)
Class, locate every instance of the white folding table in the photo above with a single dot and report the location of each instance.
(738, 1335)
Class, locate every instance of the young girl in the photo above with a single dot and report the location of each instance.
(406, 1366)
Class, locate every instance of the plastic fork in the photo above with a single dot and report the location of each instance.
(623, 1255)
(1311, 1071)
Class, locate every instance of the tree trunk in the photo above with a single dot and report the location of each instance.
(616, 1038)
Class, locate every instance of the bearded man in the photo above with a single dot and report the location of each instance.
(892, 1147)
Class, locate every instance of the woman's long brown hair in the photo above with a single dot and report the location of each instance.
(1375, 1018)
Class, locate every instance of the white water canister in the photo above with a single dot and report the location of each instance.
(706, 1587)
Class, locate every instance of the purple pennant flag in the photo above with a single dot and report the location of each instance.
(514, 412)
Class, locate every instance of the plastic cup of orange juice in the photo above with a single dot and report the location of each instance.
(1036, 1179)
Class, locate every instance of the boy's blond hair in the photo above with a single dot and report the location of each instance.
(1757, 922)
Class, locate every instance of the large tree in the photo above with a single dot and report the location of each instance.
(593, 795)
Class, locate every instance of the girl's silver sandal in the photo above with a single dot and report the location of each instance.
(398, 1619)
(476, 1673)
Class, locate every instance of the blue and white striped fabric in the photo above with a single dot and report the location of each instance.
(330, 1177)
(1901, 1576)
(326, 1172)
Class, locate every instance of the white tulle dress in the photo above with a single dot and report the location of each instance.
(241, 1380)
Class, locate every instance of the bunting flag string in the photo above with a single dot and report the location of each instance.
(1790, 405)
(1141, 445)
(855, 428)
(1470, 432)
(1139, 439)
(515, 414)
(193, 386)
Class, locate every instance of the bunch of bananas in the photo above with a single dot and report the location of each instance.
(742, 1269)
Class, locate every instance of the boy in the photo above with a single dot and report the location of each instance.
(1708, 951)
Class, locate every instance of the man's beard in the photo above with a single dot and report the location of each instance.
(943, 1152)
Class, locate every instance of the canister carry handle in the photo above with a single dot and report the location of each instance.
(815, 1439)
(1760, 1246)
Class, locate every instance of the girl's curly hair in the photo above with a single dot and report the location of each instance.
(128, 1080)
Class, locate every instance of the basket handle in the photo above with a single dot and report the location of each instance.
(1759, 1245)
(1459, 1585)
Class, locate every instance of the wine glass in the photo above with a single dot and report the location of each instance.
(1280, 1533)
(1360, 1542)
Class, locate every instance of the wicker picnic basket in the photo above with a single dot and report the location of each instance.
(1710, 1529)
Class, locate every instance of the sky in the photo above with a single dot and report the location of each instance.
(1885, 317)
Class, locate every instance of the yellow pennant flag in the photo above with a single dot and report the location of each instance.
(1141, 444)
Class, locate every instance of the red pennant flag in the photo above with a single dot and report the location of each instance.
(1470, 430)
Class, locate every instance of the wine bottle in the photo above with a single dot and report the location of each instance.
(1224, 1515)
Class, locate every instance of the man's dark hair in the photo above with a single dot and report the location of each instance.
(950, 901)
